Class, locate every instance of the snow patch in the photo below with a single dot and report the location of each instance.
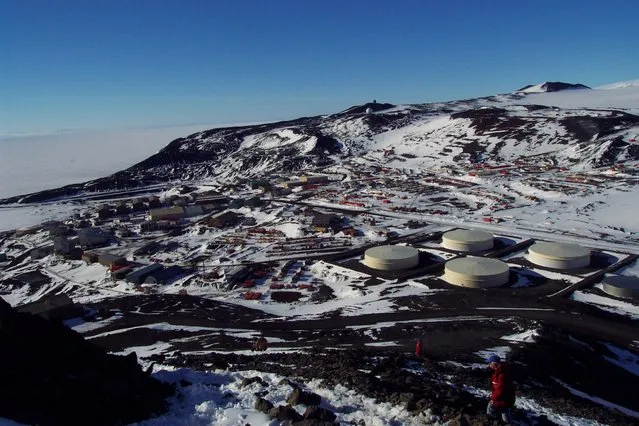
(607, 304)
(524, 337)
(624, 359)
(599, 401)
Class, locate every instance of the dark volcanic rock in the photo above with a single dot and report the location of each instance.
(556, 86)
(52, 376)
(419, 385)
(325, 145)
(323, 294)
(285, 296)
(313, 412)
(250, 380)
(285, 413)
(374, 106)
(533, 107)
(298, 396)
(483, 113)
(466, 420)
(313, 422)
(263, 406)
(584, 128)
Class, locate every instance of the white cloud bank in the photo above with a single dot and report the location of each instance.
(38, 162)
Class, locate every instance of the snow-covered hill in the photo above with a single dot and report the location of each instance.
(580, 129)
(289, 264)
(620, 85)
(551, 86)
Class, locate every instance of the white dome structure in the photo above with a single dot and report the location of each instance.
(369, 110)
(391, 258)
(621, 286)
(559, 255)
(477, 272)
(467, 241)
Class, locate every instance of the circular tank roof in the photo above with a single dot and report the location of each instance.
(468, 236)
(559, 250)
(477, 266)
(621, 281)
(392, 252)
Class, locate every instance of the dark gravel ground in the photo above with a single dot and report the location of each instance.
(427, 383)
(570, 348)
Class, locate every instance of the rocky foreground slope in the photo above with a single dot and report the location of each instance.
(438, 390)
(51, 376)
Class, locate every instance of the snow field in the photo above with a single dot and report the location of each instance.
(217, 398)
(607, 303)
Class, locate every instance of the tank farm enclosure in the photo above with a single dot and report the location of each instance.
(470, 260)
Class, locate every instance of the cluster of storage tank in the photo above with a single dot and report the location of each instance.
(483, 272)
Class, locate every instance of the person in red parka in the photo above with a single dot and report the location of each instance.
(418, 348)
(502, 397)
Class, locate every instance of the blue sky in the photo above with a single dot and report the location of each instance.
(78, 64)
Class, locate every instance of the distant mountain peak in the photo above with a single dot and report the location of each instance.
(595, 130)
(373, 106)
(551, 86)
(620, 85)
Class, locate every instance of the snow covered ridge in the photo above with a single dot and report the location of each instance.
(619, 85)
(554, 86)
(582, 129)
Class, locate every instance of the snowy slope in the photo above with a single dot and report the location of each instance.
(572, 128)
(551, 87)
(620, 85)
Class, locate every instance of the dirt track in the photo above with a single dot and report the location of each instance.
(571, 316)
